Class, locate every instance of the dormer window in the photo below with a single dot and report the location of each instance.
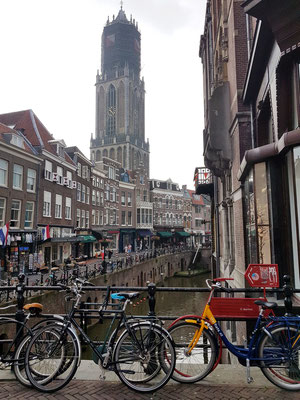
(60, 150)
(17, 141)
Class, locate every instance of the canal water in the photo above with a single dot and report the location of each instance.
(167, 304)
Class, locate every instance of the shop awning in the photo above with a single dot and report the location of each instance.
(165, 234)
(144, 232)
(183, 234)
(86, 238)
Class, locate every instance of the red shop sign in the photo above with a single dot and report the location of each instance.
(262, 275)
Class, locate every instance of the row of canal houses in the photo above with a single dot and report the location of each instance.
(250, 52)
(58, 203)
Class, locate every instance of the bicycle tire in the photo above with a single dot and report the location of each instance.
(54, 352)
(280, 350)
(196, 365)
(139, 356)
(19, 365)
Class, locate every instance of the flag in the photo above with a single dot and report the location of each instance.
(46, 233)
(4, 234)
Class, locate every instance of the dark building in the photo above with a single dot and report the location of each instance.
(120, 97)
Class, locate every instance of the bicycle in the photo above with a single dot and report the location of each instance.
(14, 355)
(141, 353)
(274, 345)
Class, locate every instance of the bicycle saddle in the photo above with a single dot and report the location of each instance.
(265, 304)
(34, 307)
(124, 296)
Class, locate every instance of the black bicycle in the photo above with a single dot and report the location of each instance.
(140, 352)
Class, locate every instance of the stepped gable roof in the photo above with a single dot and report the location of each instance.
(33, 130)
(195, 201)
(4, 129)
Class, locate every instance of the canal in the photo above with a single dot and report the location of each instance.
(167, 304)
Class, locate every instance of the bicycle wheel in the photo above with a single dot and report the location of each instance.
(144, 357)
(19, 365)
(280, 350)
(51, 358)
(196, 365)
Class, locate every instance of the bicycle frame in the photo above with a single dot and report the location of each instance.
(248, 353)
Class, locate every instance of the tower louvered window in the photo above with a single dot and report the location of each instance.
(111, 111)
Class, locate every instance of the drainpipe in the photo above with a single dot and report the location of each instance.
(216, 202)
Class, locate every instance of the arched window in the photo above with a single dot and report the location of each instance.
(98, 155)
(111, 111)
(112, 154)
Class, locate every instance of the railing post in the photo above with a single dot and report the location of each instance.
(151, 293)
(288, 292)
(20, 315)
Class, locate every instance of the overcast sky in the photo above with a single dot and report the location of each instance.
(50, 53)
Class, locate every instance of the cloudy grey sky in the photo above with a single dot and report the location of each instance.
(50, 52)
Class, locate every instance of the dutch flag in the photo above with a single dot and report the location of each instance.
(4, 234)
(46, 233)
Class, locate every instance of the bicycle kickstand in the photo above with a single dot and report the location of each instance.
(249, 377)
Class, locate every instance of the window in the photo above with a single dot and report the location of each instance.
(87, 219)
(29, 214)
(79, 169)
(47, 204)
(18, 177)
(111, 172)
(138, 195)
(3, 172)
(93, 217)
(101, 218)
(2, 210)
(138, 216)
(84, 171)
(129, 218)
(69, 177)
(142, 181)
(123, 220)
(15, 213)
(143, 215)
(107, 192)
(87, 195)
(145, 197)
(68, 208)
(48, 170)
(17, 141)
(82, 218)
(78, 191)
(101, 198)
(114, 217)
(78, 218)
(58, 206)
(83, 194)
(98, 198)
(31, 180)
(94, 197)
(129, 199)
(97, 217)
(123, 201)
(59, 172)
(113, 194)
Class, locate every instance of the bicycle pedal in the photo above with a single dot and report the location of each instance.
(250, 379)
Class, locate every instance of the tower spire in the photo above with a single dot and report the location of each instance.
(121, 2)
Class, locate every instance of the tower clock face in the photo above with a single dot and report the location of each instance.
(111, 111)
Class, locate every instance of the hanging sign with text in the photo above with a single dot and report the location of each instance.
(262, 275)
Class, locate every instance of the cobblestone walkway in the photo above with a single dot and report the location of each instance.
(117, 391)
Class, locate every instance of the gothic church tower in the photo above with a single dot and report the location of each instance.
(120, 97)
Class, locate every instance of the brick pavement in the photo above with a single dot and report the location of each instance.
(79, 389)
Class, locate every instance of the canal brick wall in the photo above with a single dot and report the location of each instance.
(139, 275)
